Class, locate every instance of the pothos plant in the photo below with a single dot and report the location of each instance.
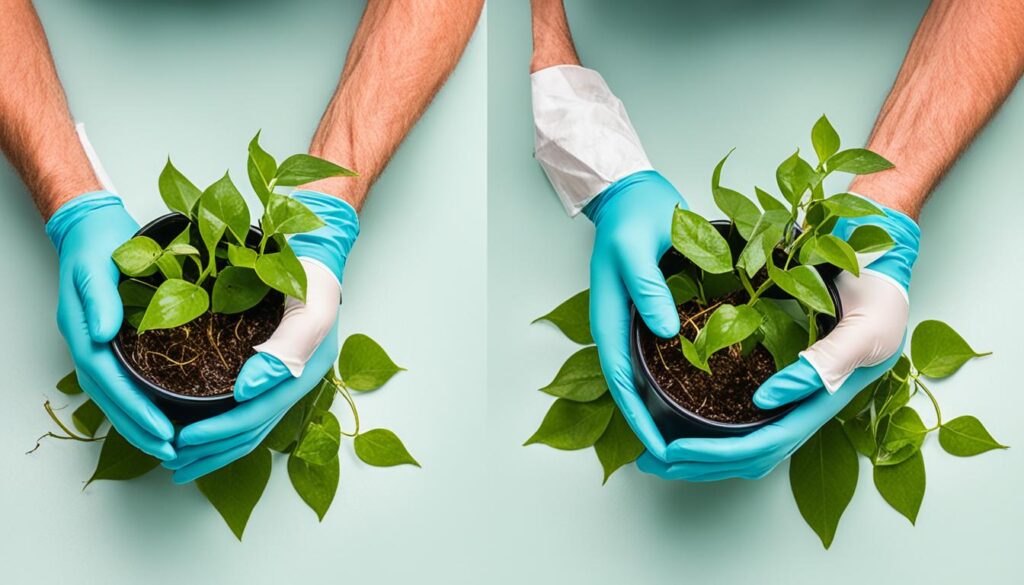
(218, 232)
(879, 424)
(309, 434)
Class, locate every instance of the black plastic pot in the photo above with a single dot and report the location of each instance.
(671, 418)
(180, 408)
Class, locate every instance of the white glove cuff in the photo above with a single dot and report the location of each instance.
(875, 313)
(305, 325)
(584, 139)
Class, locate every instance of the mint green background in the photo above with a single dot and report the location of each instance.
(196, 80)
(699, 78)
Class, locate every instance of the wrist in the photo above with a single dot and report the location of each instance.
(76, 208)
(329, 245)
(891, 189)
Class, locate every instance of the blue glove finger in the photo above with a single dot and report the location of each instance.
(646, 286)
(126, 427)
(609, 323)
(794, 382)
(726, 449)
(260, 373)
(211, 464)
(700, 471)
(97, 288)
(189, 455)
(254, 413)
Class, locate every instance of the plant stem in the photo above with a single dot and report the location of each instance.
(746, 282)
(935, 403)
(344, 391)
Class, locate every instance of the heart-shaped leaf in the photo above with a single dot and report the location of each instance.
(823, 477)
(303, 168)
(382, 448)
(695, 237)
(283, 272)
(364, 365)
(572, 318)
(965, 436)
(938, 351)
(315, 484)
(580, 377)
(824, 138)
(321, 440)
(235, 490)
(805, 284)
(120, 460)
(571, 425)
(175, 303)
(617, 446)
(178, 193)
(237, 289)
(858, 161)
(903, 485)
(138, 256)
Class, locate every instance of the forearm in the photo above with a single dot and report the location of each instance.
(964, 60)
(402, 52)
(36, 131)
(552, 40)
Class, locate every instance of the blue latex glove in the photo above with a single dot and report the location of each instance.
(85, 231)
(867, 343)
(633, 217)
(268, 385)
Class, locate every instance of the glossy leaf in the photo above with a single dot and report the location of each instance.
(315, 484)
(683, 288)
(364, 365)
(283, 272)
(241, 256)
(285, 215)
(222, 205)
(870, 238)
(572, 318)
(175, 303)
(794, 176)
(617, 446)
(382, 448)
(824, 138)
(858, 161)
(303, 168)
(320, 441)
(580, 377)
(823, 477)
(235, 490)
(849, 205)
(783, 337)
(263, 161)
(178, 193)
(768, 202)
(87, 418)
(837, 253)
(965, 436)
(695, 237)
(805, 284)
(765, 236)
(237, 289)
(727, 325)
(137, 256)
(938, 351)
(903, 485)
(694, 355)
(858, 430)
(902, 438)
(570, 425)
(738, 208)
(120, 460)
(69, 384)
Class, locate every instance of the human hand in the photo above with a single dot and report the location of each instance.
(865, 344)
(290, 363)
(85, 231)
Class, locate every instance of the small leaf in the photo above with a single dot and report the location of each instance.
(302, 168)
(769, 203)
(870, 238)
(87, 418)
(738, 208)
(858, 161)
(235, 490)
(120, 460)
(794, 176)
(965, 436)
(241, 256)
(364, 365)
(137, 256)
(763, 239)
(903, 485)
(579, 378)
(825, 139)
(823, 477)
(693, 355)
(572, 318)
(237, 289)
(69, 384)
(265, 164)
(283, 272)
(618, 445)
(727, 326)
(938, 351)
(285, 215)
(222, 205)
(805, 284)
(849, 205)
(382, 448)
(315, 484)
(178, 193)
(169, 266)
(902, 438)
(683, 288)
(321, 441)
(695, 237)
(837, 253)
(283, 436)
(783, 337)
(175, 303)
(570, 425)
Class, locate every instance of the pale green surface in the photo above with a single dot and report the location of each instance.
(699, 78)
(197, 79)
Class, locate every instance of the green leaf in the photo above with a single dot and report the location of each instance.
(769, 203)
(859, 403)
(235, 490)
(837, 253)
(299, 169)
(285, 215)
(222, 205)
(903, 437)
(794, 176)
(570, 425)
(695, 237)
(783, 337)
(617, 446)
(69, 384)
(733, 204)
(891, 394)
(858, 430)
(849, 205)
(825, 139)
(120, 460)
(938, 351)
(282, 271)
(717, 286)
(965, 436)
(87, 418)
(693, 355)
(237, 289)
(572, 318)
(903, 485)
(178, 193)
(727, 326)
(823, 477)
(137, 256)
(175, 303)
(858, 161)
(804, 284)
(683, 288)
(241, 256)
(382, 448)
(169, 266)
(579, 378)
(364, 365)
(283, 436)
(321, 440)
(315, 484)
(265, 164)
(763, 239)
(870, 238)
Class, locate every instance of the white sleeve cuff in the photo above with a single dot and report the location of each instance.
(584, 139)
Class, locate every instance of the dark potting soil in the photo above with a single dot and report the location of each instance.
(202, 357)
(726, 396)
